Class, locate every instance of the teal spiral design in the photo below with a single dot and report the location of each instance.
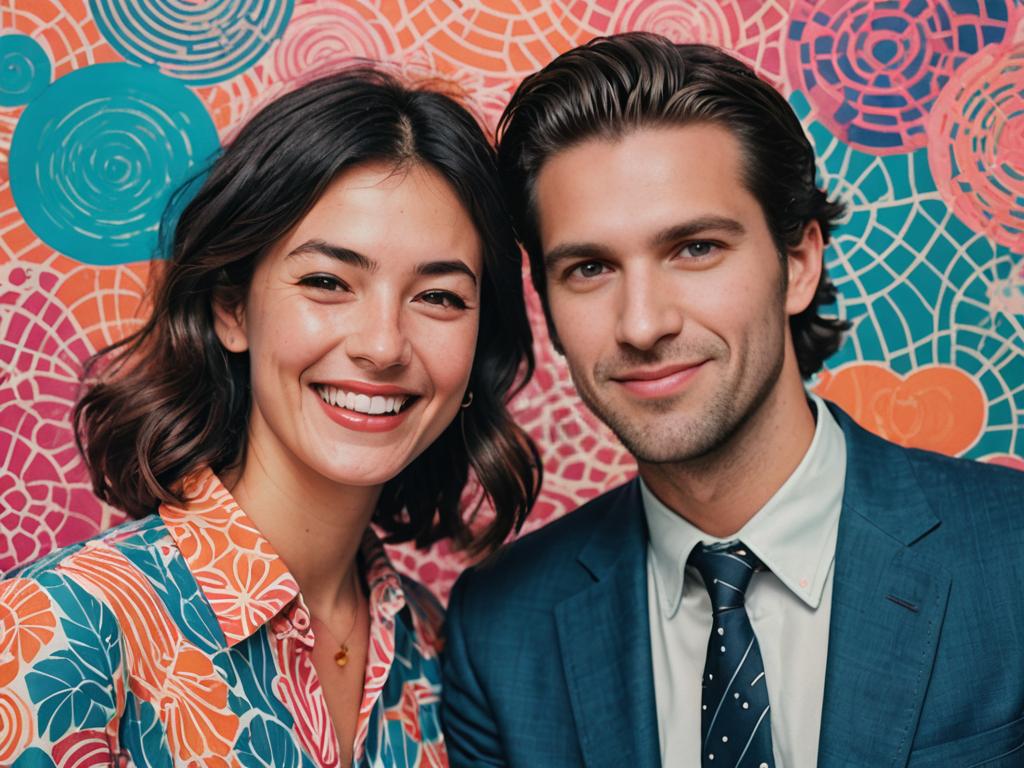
(200, 43)
(95, 159)
(24, 70)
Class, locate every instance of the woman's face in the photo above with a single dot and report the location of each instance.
(360, 327)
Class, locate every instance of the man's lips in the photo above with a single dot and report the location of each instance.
(658, 382)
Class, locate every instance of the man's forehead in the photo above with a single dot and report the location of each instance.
(647, 173)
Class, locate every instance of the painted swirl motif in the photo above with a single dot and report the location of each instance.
(96, 157)
(324, 36)
(751, 29)
(873, 68)
(16, 728)
(977, 144)
(200, 43)
(914, 108)
(63, 28)
(494, 37)
(24, 70)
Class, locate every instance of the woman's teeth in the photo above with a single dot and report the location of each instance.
(352, 401)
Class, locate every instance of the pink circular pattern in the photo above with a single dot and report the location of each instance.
(751, 29)
(45, 495)
(977, 144)
(872, 69)
(325, 36)
(1005, 460)
(84, 749)
(484, 96)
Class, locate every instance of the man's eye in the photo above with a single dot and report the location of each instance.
(443, 299)
(588, 269)
(323, 282)
(698, 250)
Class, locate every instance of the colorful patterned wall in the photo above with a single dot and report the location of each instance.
(916, 109)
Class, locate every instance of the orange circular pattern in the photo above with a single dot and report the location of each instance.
(496, 37)
(16, 729)
(938, 408)
(27, 623)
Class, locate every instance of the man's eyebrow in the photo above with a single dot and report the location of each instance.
(694, 227)
(453, 266)
(566, 251)
(342, 254)
(675, 233)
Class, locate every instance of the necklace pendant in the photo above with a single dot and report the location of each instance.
(341, 657)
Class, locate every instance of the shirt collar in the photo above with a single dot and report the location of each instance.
(244, 580)
(793, 534)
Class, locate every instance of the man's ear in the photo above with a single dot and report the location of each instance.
(805, 262)
(229, 322)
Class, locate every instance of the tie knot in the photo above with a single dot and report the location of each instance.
(726, 569)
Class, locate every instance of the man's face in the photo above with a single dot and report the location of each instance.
(666, 290)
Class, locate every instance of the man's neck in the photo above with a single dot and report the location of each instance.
(721, 491)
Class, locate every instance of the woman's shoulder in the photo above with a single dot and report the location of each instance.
(147, 532)
(61, 649)
(74, 595)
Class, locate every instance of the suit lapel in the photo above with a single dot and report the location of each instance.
(605, 642)
(888, 603)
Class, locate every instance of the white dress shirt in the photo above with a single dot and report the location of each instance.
(789, 604)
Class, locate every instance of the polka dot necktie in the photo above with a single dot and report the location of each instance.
(735, 723)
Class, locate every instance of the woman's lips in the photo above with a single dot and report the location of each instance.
(662, 382)
(364, 422)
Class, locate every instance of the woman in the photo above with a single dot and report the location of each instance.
(331, 345)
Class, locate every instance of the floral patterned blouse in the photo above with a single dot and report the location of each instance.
(182, 639)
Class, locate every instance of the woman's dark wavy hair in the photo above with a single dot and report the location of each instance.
(616, 84)
(169, 398)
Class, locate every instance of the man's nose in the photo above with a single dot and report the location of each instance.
(649, 309)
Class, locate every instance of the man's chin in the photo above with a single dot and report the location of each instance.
(653, 443)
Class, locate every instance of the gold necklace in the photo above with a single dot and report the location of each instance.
(341, 656)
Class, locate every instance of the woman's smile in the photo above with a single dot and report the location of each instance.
(365, 407)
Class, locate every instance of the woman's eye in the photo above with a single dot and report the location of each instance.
(323, 282)
(443, 299)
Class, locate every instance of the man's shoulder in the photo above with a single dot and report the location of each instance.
(972, 491)
(971, 500)
(542, 566)
(955, 488)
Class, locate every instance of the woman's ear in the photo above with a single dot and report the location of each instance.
(229, 323)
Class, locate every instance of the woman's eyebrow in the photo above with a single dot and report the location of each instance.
(452, 266)
(342, 254)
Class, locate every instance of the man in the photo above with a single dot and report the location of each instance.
(778, 587)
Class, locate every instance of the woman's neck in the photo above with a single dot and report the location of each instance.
(314, 525)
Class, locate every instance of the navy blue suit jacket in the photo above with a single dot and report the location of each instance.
(548, 658)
